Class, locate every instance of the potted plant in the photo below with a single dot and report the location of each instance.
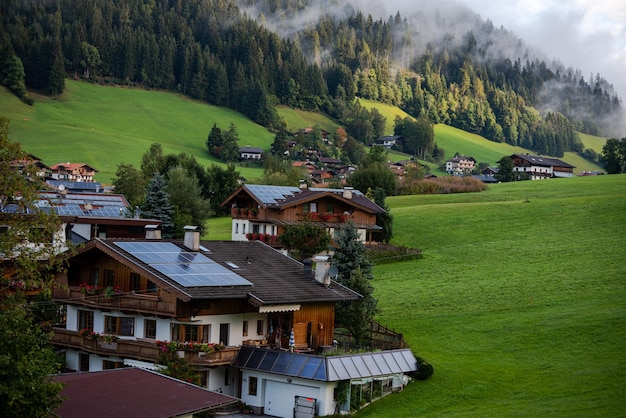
(112, 291)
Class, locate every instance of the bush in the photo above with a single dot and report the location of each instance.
(424, 369)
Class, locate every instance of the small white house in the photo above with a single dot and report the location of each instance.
(281, 383)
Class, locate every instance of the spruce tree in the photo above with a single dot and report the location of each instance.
(157, 205)
(354, 272)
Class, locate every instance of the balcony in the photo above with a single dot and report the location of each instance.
(244, 213)
(145, 350)
(141, 303)
(322, 217)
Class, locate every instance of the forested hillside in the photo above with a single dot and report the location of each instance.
(310, 55)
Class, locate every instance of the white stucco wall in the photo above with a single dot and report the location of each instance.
(276, 394)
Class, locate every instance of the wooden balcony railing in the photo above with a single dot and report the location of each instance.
(141, 303)
(138, 349)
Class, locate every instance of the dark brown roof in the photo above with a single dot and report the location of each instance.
(275, 278)
(543, 161)
(132, 392)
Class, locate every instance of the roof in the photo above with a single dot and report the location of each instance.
(71, 166)
(543, 161)
(458, 158)
(328, 160)
(133, 392)
(85, 204)
(249, 270)
(251, 150)
(326, 368)
(286, 196)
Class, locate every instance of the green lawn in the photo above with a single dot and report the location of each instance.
(519, 301)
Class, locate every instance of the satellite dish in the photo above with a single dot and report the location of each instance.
(333, 271)
(61, 187)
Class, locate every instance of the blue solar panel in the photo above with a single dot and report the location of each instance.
(189, 269)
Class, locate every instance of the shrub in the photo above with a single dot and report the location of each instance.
(424, 369)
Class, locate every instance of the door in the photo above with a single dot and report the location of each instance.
(224, 333)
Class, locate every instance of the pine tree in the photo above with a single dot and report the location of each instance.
(157, 205)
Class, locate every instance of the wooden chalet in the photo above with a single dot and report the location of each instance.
(72, 172)
(263, 212)
(127, 300)
(538, 167)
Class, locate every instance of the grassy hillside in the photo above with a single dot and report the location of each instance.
(298, 119)
(592, 142)
(518, 302)
(104, 126)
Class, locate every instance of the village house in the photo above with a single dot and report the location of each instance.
(460, 165)
(250, 153)
(78, 172)
(389, 141)
(263, 212)
(538, 167)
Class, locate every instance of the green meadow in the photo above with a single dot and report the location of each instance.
(105, 126)
(519, 301)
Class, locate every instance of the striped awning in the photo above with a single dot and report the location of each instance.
(279, 308)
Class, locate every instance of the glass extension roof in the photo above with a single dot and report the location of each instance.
(188, 269)
(331, 368)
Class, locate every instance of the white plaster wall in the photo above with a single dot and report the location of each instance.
(322, 391)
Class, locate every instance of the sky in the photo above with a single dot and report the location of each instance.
(585, 34)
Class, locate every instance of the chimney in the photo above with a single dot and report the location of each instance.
(303, 185)
(321, 269)
(347, 192)
(308, 271)
(152, 231)
(192, 238)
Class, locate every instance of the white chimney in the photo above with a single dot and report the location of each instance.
(192, 238)
(152, 231)
(347, 192)
(303, 185)
(321, 269)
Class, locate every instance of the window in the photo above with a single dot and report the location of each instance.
(226, 377)
(108, 278)
(135, 281)
(175, 332)
(109, 365)
(260, 327)
(119, 325)
(149, 328)
(191, 333)
(330, 208)
(83, 360)
(252, 385)
(206, 333)
(85, 320)
(96, 276)
(152, 287)
(236, 227)
(245, 328)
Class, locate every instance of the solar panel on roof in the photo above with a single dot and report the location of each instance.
(188, 269)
